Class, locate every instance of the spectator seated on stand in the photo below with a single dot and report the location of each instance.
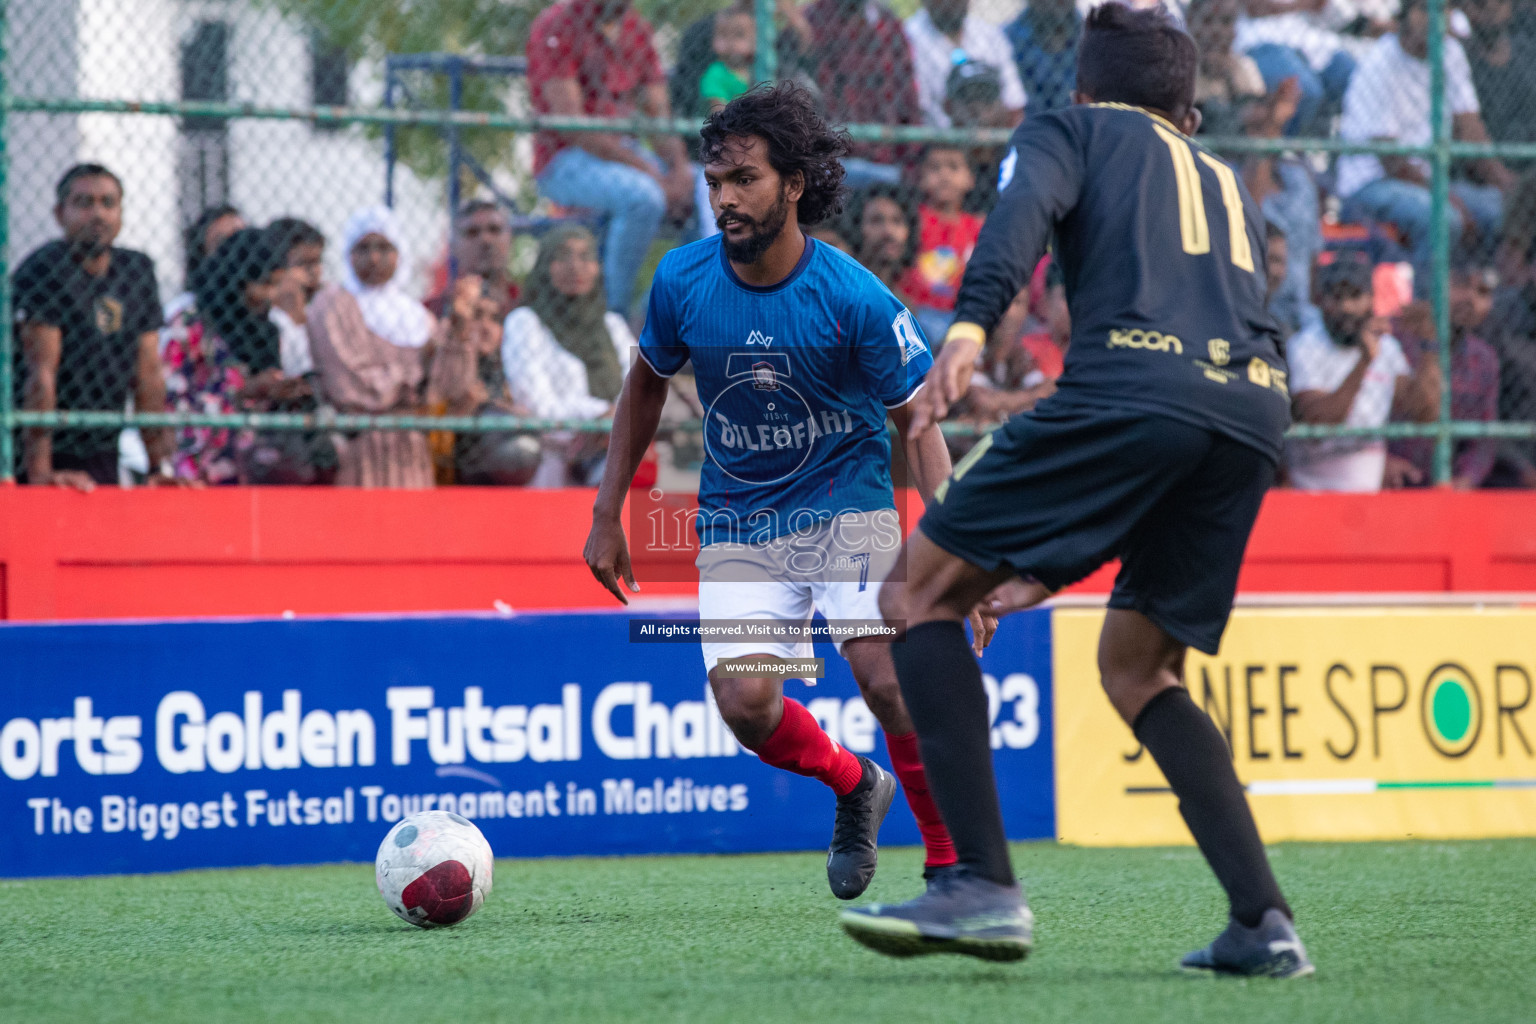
(1512, 332)
(1291, 39)
(597, 58)
(374, 345)
(973, 99)
(880, 223)
(1501, 49)
(301, 247)
(864, 72)
(946, 236)
(1348, 369)
(1474, 381)
(565, 356)
(482, 247)
(224, 356)
(1044, 38)
(698, 48)
(1388, 100)
(199, 241)
(944, 34)
(734, 48)
(87, 319)
(1234, 100)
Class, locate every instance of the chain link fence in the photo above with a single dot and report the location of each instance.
(394, 243)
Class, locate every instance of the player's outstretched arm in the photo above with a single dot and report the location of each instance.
(634, 426)
(948, 380)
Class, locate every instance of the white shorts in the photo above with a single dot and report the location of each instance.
(836, 567)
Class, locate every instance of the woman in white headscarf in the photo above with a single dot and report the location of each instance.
(374, 348)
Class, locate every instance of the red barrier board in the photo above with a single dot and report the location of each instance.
(266, 551)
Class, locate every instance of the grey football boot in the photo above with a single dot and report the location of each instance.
(1272, 949)
(853, 854)
(960, 913)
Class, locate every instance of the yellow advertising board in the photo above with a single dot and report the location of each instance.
(1344, 723)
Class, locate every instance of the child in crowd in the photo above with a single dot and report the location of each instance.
(947, 234)
(735, 52)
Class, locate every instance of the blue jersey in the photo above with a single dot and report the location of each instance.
(795, 380)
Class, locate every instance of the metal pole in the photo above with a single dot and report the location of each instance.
(1440, 226)
(389, 134)
(7, 340)
(765, 68)
(455, 159)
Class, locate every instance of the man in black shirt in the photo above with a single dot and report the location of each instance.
(88, 319)
(1157, 448)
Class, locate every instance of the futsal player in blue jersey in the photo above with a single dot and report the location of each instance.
(800, 356)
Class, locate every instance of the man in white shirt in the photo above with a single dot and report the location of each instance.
(1388, 100)
(943, 34)
(1348, 370)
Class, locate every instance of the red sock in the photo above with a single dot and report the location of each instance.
(907, 762)
(798, 745)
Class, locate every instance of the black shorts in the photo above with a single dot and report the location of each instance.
(1055, 495)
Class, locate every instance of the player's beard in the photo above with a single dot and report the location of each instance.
(765, 232)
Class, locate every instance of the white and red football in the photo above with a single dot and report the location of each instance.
(434, 869)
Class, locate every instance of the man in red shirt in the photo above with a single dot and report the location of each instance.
(864, 70)
(596, 58)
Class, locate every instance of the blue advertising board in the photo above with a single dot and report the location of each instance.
(161, 746)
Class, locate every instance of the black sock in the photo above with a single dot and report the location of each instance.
(941, 683)
(1189, 749)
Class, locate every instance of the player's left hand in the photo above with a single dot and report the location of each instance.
(948, 381)
(983, 627)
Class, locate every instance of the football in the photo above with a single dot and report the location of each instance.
(434, 869)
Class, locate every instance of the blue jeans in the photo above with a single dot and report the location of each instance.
(1407, 207)
(632, 200)
(1277, 63)
(860, 173)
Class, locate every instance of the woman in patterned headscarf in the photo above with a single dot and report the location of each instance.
(565, 355)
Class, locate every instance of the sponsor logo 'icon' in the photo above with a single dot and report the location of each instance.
(1220, 351)
(1153, 341)
(759, 338)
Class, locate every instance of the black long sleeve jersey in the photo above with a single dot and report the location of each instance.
(1162, 251)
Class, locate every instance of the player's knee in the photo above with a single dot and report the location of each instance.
(883, 695)
(750, 708)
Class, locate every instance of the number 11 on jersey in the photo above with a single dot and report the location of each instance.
(1194, 229)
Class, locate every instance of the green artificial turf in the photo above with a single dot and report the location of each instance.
(1400, 932)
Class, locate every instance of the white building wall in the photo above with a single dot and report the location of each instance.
(291, 168)
(130, 50)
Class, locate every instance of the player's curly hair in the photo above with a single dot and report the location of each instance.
(785, 117)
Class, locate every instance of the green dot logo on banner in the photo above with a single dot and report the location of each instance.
(1452, 710)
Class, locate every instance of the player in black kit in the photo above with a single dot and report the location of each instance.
(1156, 449)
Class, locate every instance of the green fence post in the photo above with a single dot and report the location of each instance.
(765, 68)
(1440, 225)
(7, 342)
